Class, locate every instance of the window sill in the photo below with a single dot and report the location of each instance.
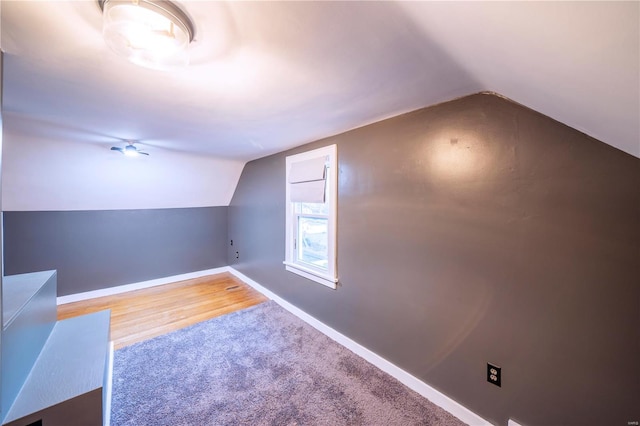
(325, 280)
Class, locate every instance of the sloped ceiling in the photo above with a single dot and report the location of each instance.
(267, 76)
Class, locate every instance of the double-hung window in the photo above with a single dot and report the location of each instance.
(311, 191)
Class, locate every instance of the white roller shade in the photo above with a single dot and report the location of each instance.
(308, 192)
(307, 180)
(308, 170)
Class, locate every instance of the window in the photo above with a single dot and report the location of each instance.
(311, 190)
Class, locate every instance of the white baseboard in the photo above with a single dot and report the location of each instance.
(404, 377)
(407, 379)
(138, 286)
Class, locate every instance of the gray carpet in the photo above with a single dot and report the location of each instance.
(259, 366)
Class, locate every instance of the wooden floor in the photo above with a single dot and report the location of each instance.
(143, 314)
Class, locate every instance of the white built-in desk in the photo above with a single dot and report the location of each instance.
(53, 372)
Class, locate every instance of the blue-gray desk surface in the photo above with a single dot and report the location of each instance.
(72, 363)
(17, 290)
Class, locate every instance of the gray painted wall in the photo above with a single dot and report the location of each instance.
(471, 232)
(99, 249)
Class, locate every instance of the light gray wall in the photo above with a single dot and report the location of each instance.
(46, 171)
(104, 248)
(471, 232)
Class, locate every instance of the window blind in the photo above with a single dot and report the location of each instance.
(307, 181)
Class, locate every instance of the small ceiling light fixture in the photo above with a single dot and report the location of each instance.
(151, 33)
(130, 150)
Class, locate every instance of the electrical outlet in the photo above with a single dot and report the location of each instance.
(494, 375)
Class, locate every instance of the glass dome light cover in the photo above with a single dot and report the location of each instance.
(154, 34)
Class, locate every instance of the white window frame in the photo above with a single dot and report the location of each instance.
(328, 278)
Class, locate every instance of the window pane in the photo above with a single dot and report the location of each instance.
(313, 241)
(313, 208)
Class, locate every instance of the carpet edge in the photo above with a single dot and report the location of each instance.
(412, 382)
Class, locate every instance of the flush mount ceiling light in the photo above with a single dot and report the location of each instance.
(150, 33)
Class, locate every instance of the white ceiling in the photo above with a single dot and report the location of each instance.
(267, 76)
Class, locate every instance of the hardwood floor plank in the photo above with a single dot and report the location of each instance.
(142, 314)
